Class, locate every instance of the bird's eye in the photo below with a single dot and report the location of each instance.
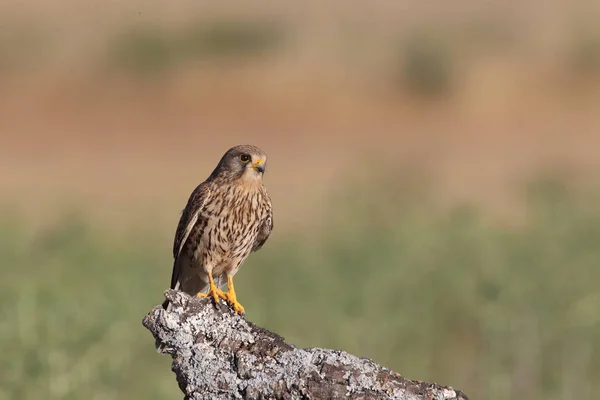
(245, 158)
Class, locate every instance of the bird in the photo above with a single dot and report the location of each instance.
(227, 217)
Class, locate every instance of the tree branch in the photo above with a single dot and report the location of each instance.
(219, 355)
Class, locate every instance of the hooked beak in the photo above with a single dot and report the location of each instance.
(259, 165)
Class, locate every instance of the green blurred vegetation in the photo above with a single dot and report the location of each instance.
(439, 296)
(426, 65)
(149, 49)
(425, 61)
(584, 52)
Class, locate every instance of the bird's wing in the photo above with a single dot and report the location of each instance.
(189, 217)
(264, 231)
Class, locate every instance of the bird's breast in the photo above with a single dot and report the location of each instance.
(233, 218)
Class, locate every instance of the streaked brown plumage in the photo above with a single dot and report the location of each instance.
(227, 217)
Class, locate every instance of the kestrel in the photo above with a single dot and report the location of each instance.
(227, 217)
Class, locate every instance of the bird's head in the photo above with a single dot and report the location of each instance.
(244, 162)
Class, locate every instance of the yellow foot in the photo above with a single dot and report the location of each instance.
(232, 299)
(237, 307)
(213, 292)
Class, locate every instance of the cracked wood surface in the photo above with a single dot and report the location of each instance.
(217, 354)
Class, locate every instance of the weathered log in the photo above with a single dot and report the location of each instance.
(218, 354)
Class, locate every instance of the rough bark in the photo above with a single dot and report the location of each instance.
(219, 355)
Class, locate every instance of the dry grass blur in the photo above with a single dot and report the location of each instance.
(119, 110)
(516, 90)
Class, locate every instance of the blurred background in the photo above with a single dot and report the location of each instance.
(433, 168)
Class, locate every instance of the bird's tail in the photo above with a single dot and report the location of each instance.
(167, 305)
(186, 279)
(191, 287)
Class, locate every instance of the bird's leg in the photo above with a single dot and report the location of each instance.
(213, 291)
(231, 298)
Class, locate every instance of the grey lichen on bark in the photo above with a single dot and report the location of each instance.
(218, 354)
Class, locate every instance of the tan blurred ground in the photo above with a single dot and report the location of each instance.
(322, 108)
